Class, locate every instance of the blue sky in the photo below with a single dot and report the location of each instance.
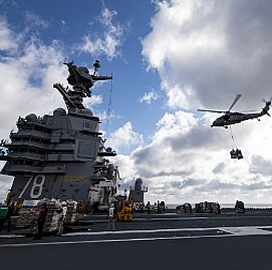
(71, 24)
(168, 58)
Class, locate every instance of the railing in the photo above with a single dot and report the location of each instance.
(31, 133)
(26, 155)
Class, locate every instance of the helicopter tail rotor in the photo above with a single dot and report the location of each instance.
(267, 102)
(267, 106)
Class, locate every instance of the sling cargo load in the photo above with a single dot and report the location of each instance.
(62, 156)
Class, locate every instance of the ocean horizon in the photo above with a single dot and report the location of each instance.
(228, 205)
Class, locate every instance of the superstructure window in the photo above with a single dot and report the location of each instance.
(87, 125)
(87, 149)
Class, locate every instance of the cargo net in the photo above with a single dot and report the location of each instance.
(235, 153)
(208, 207)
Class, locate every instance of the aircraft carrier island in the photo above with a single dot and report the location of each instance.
(62, 155)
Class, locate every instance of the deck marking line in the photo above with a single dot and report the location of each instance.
(232, 231)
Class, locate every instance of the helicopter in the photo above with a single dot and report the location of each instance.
(231, 118)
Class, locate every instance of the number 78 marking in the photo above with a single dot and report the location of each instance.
(35, 185)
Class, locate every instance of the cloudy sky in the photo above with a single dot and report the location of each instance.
(168, 58)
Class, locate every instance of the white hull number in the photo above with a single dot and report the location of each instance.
(37, 186)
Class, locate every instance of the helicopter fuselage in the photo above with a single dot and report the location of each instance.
(231, 118)
(234, 118)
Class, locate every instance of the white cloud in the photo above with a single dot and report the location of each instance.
(107, 43)
(5, 184)
(27, 82)
(7, 38)
(124, 137)
(211, 48)
(149, 97)
(34, 21)
(29, 69)
(261, 166)
(28, 73)
(189, 160)
(205, 52)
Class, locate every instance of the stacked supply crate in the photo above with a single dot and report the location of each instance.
(208, 207)
(71, 213)
(27, 214)
(52, 218)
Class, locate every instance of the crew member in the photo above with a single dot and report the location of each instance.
(111, 218)
(9, 214)
(148, 207)
(42, 219)
(5, 215)
(62, 212)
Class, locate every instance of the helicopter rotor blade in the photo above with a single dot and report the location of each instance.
(213, 111)
(265, 101)
(235, 100)
(247, 111)
(220, 111)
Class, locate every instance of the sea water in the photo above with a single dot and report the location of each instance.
(247, 205)
(230, 205)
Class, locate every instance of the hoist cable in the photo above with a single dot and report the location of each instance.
(233, 138)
